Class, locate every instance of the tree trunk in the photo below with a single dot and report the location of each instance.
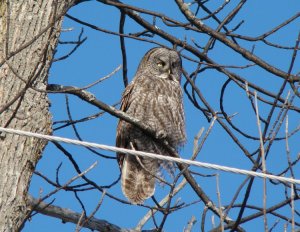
(29, 32)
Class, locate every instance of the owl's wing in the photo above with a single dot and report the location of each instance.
(121, 140)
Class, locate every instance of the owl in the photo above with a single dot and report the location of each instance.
(155, 98)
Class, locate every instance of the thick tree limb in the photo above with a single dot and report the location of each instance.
(67, 215)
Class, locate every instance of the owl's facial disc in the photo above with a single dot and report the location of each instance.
(164, 67)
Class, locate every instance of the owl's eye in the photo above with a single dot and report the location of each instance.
(160, 64)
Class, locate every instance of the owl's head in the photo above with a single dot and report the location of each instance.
(162, 63)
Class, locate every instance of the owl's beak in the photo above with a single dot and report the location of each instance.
(170, 69)
(170, 74)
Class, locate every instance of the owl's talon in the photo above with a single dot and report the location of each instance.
(161, 134)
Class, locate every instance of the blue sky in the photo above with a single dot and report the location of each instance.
(100, 55)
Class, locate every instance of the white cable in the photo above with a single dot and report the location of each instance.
(150, 155)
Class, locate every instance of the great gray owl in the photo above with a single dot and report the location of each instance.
(155, 98)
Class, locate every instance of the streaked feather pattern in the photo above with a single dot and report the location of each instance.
(154, 97)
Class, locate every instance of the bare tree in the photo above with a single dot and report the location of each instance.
(29, 37)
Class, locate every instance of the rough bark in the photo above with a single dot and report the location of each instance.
(29, 32)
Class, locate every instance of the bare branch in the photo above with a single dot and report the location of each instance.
(67, 215)
(190, 224)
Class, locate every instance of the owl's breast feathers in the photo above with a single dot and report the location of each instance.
(156, 102)
(154, 98)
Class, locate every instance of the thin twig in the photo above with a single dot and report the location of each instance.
(150, 213)
(61, 187)
(263, 160)
(191, 222)
(68, 215)
(220, 203)
(293, 207)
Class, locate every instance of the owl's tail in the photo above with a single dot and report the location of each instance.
(138, 178)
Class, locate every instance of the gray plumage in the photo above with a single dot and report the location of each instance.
(154, 97)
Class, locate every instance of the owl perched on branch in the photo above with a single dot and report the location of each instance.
(155, 98)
